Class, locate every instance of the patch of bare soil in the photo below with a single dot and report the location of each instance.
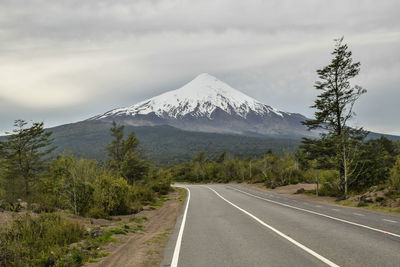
(6, 218)
(144, 248)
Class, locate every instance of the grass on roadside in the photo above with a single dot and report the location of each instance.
(39, 240)
(138, 220)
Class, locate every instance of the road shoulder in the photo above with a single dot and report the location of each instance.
(290, 191)
(145, 248)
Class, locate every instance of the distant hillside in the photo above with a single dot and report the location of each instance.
(164, 144)
(373, 135)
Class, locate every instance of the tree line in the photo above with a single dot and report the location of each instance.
(378, 164)
(122, 185)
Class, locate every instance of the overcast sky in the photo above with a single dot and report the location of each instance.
(65, 61)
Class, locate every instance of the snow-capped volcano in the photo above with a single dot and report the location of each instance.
(208, 104)
(200, 97)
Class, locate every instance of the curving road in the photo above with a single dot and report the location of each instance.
(232, 225)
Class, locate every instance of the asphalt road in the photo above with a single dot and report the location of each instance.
(232, 225)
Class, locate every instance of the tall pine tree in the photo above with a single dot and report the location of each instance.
(23, 157)
(339, 142)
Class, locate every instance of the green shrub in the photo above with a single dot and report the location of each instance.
(112, 195)
(97, 213)
(67, 184)
(329, 180)
(104, 238)
(142, 193)
(75, 258)
(32, 241)
(161, 186)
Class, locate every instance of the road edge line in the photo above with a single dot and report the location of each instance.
(319, 214)
(175, 257)
(308, 250)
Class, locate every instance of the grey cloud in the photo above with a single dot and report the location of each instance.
(64, 61)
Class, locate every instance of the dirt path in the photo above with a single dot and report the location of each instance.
(145, 248)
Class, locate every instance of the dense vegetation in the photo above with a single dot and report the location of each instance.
(378, 164)
(65, 183)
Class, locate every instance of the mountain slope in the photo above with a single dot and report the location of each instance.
(209, 105)
(164, 144)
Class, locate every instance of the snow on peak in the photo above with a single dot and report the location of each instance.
(200, 97)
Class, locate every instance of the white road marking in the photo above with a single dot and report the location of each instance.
(318, 206)
(389, 221)
(315, 254)
(358, 214)
(175, 257)
(335, 209)
(320, 214)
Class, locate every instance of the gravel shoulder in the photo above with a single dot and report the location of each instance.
(290, 191)
(145, 248)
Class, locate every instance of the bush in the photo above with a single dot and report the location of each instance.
(112, 195)
(141, 193)
(329, 180)
(75, 258)
(97, 213)
(67, 184)
(32, 241)
(161, 186)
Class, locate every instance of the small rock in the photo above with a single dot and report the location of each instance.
(97, 233)
(300, 191)
(91, 247)
(341, 198)
(50, 262)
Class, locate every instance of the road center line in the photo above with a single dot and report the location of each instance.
(320, 214)
(315, 254)
(175, 257)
